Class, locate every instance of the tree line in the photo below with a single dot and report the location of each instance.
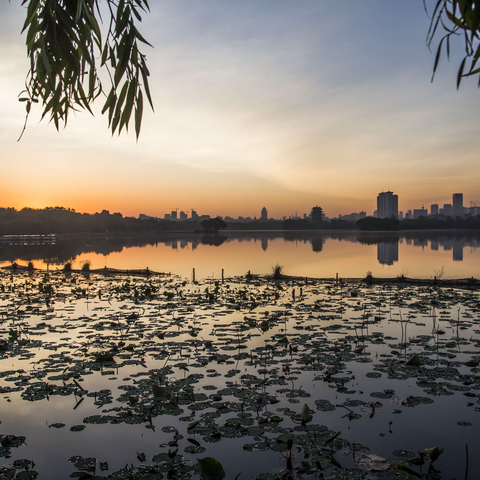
(60, 220)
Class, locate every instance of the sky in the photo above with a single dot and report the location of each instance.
(274, 103)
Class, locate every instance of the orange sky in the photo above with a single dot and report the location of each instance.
(257, 105)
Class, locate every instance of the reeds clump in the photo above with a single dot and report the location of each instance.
(67, 268)
(86, 266)
(369, 277)
(30, 266)
(277, 272)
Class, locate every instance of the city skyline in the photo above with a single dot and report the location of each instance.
(386, 203)
(257, 104)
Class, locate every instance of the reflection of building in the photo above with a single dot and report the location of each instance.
(264, 244)
(387, 252)
(458, 250)
(420, 242)
(264, 215)
(195, 243)
(434, 244)
(317, 244)
(387, 205)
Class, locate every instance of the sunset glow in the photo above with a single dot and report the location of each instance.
(275, 103)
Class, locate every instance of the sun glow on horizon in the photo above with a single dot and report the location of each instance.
(256, 106)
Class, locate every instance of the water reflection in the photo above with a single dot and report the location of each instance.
(387, 244)
(387, 253)
(313, 253)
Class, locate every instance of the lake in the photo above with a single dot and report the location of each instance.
(120, 377)
(449, 254)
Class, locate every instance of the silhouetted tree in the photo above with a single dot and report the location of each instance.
(458, 18)
(67, 51)
(301, 224)
(373, 223)
(213, 225)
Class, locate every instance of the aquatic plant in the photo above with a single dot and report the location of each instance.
(68, 267)
(225, 370)
(439, 274)
(86, 266)
(369, 277)
(210, 469)
(30, 266)
(277, 271)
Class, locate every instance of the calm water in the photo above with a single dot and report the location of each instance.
(231, 363)
(312, 254)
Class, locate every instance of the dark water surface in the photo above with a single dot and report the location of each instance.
(448, 254)
(134, 362)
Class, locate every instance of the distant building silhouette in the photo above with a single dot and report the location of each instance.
(194, 215)
(387, 205)
(458, 209)
(420, 212)
(447, 210)
(316, 214)
(434, 209)
(264, 215)
(183, 216)
(173, 215)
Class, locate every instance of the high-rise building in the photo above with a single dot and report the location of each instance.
(194, 215)
(434, 209)
(183, 216)
(458, 204)
(264, 215)
(387, 205)
(173, 215)
(447, 210)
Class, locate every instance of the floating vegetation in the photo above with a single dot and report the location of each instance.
(159, 378)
